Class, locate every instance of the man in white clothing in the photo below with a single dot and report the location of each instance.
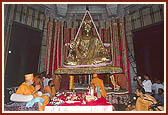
(46, 79)
(156, 86)
(146, 84)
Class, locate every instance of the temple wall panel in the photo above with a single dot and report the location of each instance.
(157, 11)
(21, 14)
(139, 19)
(24, 15)
(142, 18)
(18, 12)
(7, 30)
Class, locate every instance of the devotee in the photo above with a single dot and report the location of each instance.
(38, 81)
(154, 83)
(57, 81)
(50, 89)
(98, 83)
(146, 84)
(46, 79)
(156, 86)
(26, 88)
(160, 96)
(145, 101)
(42, 74)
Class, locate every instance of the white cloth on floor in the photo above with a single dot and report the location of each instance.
(20, 98)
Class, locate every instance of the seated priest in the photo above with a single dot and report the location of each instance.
(50, 89)
(98, 83)
(26, 88)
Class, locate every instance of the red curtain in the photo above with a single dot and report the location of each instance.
(119, 49)
(54, 46)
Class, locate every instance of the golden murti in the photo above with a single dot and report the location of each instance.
(87, 48)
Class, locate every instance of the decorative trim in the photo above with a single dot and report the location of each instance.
(89, 70)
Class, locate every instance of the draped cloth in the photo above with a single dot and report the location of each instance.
(121, 80)
(143, 104)
(25, 89)
(119, 51)
(54, 57)
(57, 81)
(50, 90)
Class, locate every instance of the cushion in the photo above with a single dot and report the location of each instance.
(21, 98)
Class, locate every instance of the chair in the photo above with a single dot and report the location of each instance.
(113, 81)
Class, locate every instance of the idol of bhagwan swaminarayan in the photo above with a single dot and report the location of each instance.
(87, 48)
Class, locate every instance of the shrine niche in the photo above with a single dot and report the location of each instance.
(87, 53)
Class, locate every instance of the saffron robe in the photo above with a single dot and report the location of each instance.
(57, 81)
(99, 82)
(50, 90)
(142, 104)
(38, 81)
(25, 89)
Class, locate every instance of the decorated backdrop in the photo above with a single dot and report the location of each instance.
(59, 35)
